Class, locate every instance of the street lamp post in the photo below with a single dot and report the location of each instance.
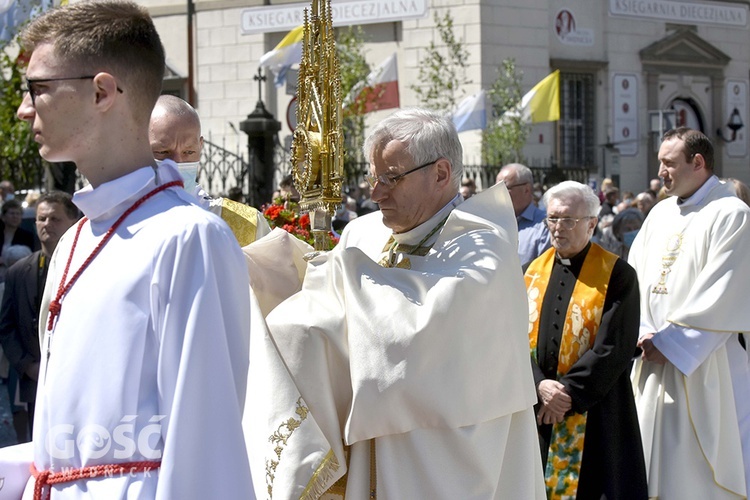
(261, 128)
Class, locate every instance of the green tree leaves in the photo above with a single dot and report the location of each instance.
(502, 142)
(19, 156)
(350, 45)
(442, 72)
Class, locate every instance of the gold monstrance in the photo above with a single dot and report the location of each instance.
(318, 143)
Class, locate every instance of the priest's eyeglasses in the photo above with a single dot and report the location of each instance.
(390, 181)
(566, 223)
(34, 91)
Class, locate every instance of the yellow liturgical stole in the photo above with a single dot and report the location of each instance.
(582, 321)
(241, 219)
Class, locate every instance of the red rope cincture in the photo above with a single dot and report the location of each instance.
(56, 304)
(47, 478)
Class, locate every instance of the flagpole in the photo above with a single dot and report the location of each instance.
(190, 89)
(557, 146)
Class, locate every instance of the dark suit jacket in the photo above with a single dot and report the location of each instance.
(20, 237)
(19, 318)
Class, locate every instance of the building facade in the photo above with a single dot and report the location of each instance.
(630, 69)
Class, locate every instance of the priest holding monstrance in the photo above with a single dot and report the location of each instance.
(411, 392)
(381, 377)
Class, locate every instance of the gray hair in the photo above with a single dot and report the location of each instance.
(428, 137)
(14, 253)
(574, 190)
(524, 175)
(644, 194)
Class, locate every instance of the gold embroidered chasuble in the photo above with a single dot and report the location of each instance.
(247, 223)
(242, 219)
(390, 258)
(582, 321)
(382, 353)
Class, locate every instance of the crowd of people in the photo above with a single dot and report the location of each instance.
(509, 343)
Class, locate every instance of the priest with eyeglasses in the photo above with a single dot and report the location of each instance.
(402, 388)
(583, 329)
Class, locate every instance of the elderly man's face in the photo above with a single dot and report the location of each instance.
(521, 194)
(569, 242)
(413, 200)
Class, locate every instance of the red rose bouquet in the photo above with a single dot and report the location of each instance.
(286, 215)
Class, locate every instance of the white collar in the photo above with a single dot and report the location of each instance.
(697, 197)
(111, 199)
(416, 235)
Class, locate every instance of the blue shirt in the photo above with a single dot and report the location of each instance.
(533, 235)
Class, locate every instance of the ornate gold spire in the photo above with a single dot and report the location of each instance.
(318, 143)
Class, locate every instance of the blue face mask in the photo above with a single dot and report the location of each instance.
(629, 237)
(189, 171)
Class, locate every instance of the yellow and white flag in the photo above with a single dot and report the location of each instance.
(541, 103)
(287, 53)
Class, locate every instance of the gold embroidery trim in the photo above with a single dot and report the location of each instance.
(241, 219)
(373, 471)
(674, 243)
(698, 327)
(393, 248)
(281, 437)
(316, 487)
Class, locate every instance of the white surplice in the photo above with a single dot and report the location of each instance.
(148, 358)
(406, 357)
(695, 431)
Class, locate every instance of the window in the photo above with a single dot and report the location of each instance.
(577, 141)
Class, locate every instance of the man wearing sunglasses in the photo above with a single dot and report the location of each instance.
(583, 328)
(410, 390)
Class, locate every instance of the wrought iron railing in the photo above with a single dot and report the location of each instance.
(222, 169)
(484, 175)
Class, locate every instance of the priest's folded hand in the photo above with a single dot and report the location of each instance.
(650, 352)
(547, 416)
(555, 401)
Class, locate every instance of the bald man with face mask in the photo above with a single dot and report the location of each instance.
(175, 134)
